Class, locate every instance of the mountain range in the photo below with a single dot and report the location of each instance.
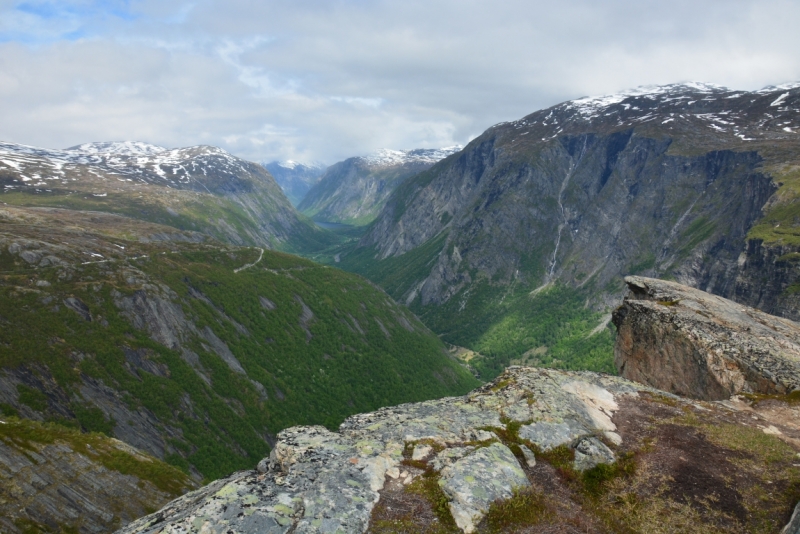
(353, 191)
(295, 178)
(516, 246)
(199, 188)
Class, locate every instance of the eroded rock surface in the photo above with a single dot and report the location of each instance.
(317, 481)
(692, 343)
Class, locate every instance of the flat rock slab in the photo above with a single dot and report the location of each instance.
(689, 342)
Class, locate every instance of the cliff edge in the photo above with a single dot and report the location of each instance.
(689, 342)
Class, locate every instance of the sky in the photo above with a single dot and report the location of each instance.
(320, 81)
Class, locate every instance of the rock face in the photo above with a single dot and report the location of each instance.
(353, 191)
(692, 343)
(58, 479)
(324, 482)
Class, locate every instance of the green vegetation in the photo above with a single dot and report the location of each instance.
(357, 352)
(526, 507)
(506, 324)
(781, 221)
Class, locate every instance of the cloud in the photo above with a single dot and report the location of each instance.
(325, 80)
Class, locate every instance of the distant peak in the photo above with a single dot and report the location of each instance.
(387, 156)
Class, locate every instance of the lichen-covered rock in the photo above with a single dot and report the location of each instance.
(589, 452)
(477, 480)
(692, 343)
(326, 482)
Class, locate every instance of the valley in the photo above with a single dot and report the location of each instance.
(173, 317)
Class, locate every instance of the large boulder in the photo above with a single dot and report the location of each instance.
(689, 342)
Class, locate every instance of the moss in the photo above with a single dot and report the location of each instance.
(596, 479)
(526, 507)
(428, 486)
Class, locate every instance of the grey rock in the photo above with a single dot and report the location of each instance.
(530, 458)
(473, 483)
(793, 527)
(692, 343)
(590, 452)
(77, 305)
(317, 481)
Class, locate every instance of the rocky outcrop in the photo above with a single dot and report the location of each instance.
(58, 479)
(321, 481)
(542, 450)
(692, 343)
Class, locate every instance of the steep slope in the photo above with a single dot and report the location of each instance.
(295, 178)
(664, 181)
(200, 188)
(57, 479)
(194, 351)
(353, 191)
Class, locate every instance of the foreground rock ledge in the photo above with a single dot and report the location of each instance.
(326, 482)
(688, 342)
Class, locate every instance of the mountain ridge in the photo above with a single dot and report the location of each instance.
(666, 182)
(354, 190)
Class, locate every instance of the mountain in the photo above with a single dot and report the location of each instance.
(516, 246)
(199, 188)
(353, 191)
(543, 450)
(191, 350)
(295, 178)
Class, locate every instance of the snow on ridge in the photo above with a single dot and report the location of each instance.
(387, 156)
(291, 164)
(120, 148)
(591, 105)
(782, 87)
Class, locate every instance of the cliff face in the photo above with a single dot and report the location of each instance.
(354, 191)
(688, 342)
(678, 182)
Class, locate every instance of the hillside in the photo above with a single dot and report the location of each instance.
(50, 475)
(353, 191)
(200, 188)
(191, 350)
(295, 178)
(516, 246)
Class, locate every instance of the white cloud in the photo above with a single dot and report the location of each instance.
(324, 80)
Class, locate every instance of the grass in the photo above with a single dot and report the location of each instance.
(781, 221)
(526, 507)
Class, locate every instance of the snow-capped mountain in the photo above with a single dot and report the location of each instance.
(387, 156)
(748, 116)
(294, 177)
(200, 187)
(353, 191)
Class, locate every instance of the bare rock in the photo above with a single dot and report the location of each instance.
(692, 343)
